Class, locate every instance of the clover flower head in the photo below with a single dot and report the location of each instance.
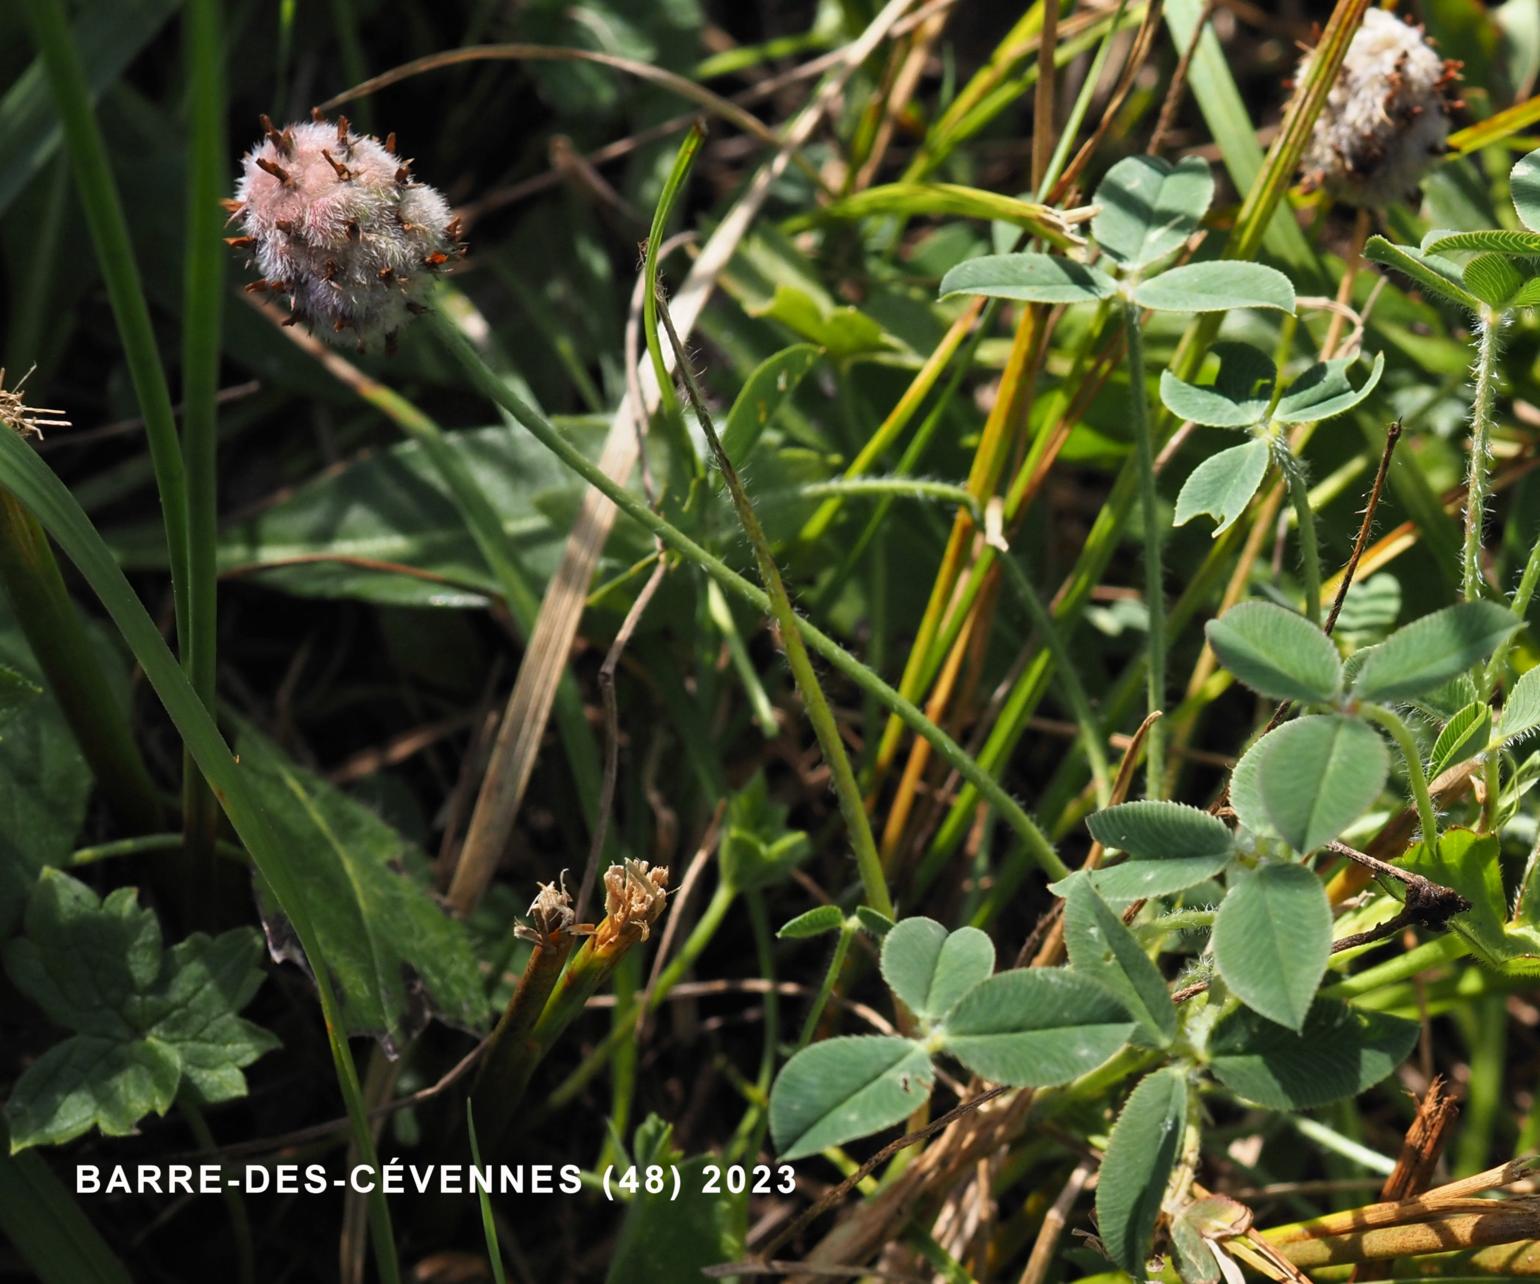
(1386, 117)
(634, 896)
(335, 221)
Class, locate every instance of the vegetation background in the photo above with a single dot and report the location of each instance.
(365, 549)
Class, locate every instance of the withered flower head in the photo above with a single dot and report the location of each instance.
(335, 221)
(1385, 118)
(18, 416)
(550, 913)
(634, 896)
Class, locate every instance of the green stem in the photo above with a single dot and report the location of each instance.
(511, 1054)
(144, 845)
(847, 934)
(240, 1223)
(1442, 949)
(894, 488)
(1154, 587)
(749, 1135)
(1069, 678)
(1489, 342)
(1402, 735)
(830, 742)
(946, 748)
(1309, 547)
(64, 651)
(202, 308)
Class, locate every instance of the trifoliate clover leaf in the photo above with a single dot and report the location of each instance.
(147, 1023)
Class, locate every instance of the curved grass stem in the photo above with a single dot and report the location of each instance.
(819, 714)
(1033, 838)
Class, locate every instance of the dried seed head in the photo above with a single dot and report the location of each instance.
(634, 896)
(550, 913)
(333, 225)
(29, 421)
(1385, 118)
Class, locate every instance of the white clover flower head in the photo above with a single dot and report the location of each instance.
(1385, 118)
(335, 221)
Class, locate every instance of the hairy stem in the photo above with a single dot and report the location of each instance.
(1309, 546)
(819, 714)
(1489, 341)
(1033, 838)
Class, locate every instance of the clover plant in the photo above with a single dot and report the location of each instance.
(1247, 395)
(1146, 210)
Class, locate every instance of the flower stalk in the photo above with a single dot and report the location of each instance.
(634, 899)
(1478, 484)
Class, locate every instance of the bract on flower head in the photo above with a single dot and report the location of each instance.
(336, 222)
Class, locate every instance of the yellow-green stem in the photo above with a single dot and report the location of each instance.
(1154, 587)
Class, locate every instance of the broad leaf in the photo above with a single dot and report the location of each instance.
(1160, 830)
(1223, 484)
(1136, 879)
(1101, 946)
(759, 848)
(1149, 207)
(1246, 789)
(1036, 1026)
(842, 331)
(1435, 275)
(390, 509)
(1524, 184)
(1238, 397)
(930, 968)
(773, 380)
(395, 957)
(146, 1022)
(1320, 774)
(1272, 938)
(1338, 1053)
(1470, 864)
(1276, 652)
(1141, 1152)
(1500, 239)
(664, 1239)
(815, 922)
(1527, 295)
(1216, 287)
(846, 1087)
(1463, 736)
(44, 781)
(1370, 610)
(1031, 278)
(1521, 710)
(1429, 652)
(1493, 278)
(1324, 391)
